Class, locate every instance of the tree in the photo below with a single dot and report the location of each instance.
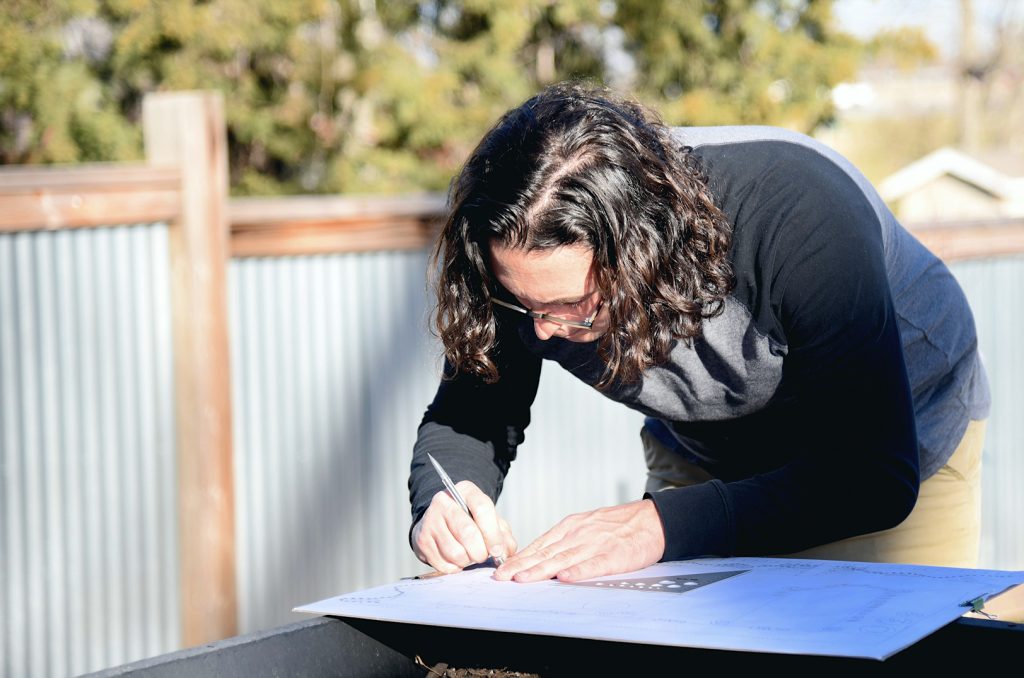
(991, 105)
(54, 106)
(738, 61)
(357, 96)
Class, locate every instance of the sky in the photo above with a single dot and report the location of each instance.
(939, 18)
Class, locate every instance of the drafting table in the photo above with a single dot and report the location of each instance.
(327, 646)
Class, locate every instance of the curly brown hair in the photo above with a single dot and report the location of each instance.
(577, 165)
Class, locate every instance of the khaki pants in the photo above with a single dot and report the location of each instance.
(943, 529)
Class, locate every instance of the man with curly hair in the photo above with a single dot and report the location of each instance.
(809, 371)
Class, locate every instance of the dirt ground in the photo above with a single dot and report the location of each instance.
(444, 671)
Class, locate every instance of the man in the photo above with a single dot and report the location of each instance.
(809, 371)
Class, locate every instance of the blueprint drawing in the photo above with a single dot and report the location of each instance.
(816, 607)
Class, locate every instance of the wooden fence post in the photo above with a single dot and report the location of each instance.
(187, 130)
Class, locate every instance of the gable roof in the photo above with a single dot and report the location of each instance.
(946, 161)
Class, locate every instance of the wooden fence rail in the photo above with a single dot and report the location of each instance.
(87, 195)
(99, 195)
(325, 224)
(959, 241)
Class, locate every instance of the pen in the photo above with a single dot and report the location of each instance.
(454, 493)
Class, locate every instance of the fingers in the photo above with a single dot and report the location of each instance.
(467, 535)
(449, 539)
(510, 542)
(544, 548)
(548, 563)
(541, 547)
(446, 537)
(485, 517)
(606, 541)
(545, 556)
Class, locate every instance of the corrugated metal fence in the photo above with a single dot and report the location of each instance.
(995, 289)
(88, 533)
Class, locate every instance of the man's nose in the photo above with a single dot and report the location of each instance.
(545, 329)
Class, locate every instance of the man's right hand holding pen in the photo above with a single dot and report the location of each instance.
(449, 539)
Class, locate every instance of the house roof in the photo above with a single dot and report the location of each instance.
(946, 161)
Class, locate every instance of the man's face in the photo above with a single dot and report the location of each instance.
(559, 281)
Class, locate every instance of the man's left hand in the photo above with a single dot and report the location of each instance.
(606, 541)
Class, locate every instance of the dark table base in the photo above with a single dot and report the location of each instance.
(328, 646)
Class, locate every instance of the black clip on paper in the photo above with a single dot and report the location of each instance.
(976, 605)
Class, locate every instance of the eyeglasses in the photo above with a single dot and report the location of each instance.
(586, 323)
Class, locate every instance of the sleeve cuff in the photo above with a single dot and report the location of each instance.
(697, 520)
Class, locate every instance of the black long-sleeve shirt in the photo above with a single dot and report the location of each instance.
(843, 370)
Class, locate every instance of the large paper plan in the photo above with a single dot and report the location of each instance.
(816, 607)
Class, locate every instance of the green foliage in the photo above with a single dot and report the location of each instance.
(905, 48)
(357, 96)
(54, 108)
(738, 61)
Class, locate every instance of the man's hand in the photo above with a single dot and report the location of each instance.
(606, 541)
(448, 540)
